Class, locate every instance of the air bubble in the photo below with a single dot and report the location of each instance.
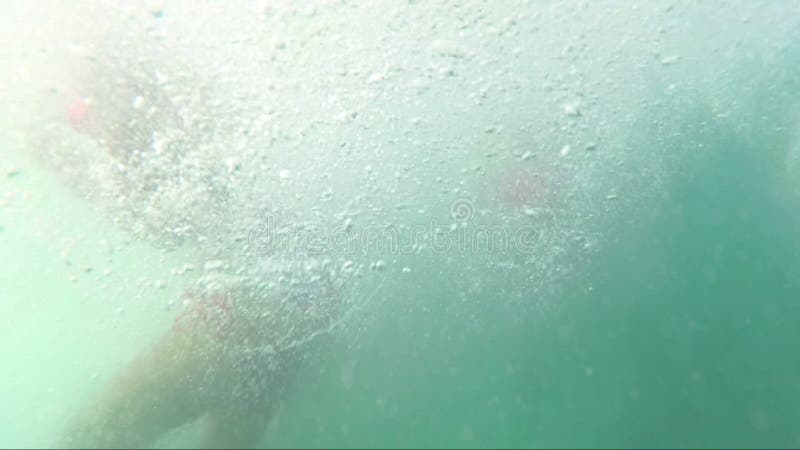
(572, 110)
(138, 102)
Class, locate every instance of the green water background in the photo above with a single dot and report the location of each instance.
(687, 337)
(682, 331)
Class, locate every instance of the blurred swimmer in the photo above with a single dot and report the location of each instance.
(233, 352)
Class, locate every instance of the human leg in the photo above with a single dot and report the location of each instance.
(161, 389)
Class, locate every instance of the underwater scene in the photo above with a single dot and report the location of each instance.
(416, 223)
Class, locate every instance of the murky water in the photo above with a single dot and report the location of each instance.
(517, 224)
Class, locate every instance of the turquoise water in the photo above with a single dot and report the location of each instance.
(657, 308)
(686, 339)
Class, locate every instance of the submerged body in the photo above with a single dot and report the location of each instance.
(245, 325)
(230, 356)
